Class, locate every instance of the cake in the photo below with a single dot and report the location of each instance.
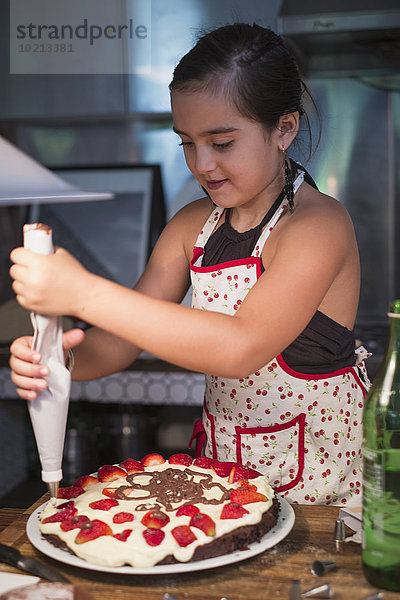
(157, 511)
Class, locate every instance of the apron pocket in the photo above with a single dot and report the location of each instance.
(279, 449)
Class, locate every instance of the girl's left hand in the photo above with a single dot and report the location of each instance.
(51, 284)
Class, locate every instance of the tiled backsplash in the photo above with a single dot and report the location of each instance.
(129, 387)
(136, 387)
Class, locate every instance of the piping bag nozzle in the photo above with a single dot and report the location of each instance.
(320, 567)
(339, 533)
(321, 591)
(52, 480)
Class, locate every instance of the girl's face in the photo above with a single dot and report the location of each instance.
(234, 158)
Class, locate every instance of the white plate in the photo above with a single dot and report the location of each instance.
(274, 536)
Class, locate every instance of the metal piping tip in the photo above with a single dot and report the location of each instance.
(321, 591)
(340, 534)
(320, 567)
(295, 590)
(52, 486)
(376, 596)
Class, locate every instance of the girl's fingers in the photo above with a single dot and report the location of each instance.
(16, 287)
(28, 383)
(27, 373)
(26, 368)
(22, 348)
(26, 394)
(73, 338)
(16, 254)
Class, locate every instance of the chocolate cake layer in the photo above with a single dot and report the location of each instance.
(239, 539)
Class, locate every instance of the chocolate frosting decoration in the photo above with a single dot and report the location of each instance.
(172, 488)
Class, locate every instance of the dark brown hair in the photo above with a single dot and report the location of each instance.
(252, 67)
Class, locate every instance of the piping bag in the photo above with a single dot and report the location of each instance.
(49, 410)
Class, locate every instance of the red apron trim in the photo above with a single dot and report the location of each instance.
(300, 420)
(250, 261)
(360, 383)
(312, 376)
(197, 252)
(212, 428)
(199, 434)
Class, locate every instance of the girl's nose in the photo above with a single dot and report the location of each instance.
(205, 162)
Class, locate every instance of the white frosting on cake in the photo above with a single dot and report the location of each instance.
(111, 552)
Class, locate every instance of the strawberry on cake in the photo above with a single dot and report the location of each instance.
(157, 511)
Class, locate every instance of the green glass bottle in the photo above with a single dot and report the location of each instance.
(381, 458)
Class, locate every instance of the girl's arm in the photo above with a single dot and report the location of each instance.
(97, 352)
(312, 250)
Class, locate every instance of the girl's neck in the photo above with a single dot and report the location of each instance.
(244, 218)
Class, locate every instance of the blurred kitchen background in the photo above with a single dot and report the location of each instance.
(113, 132)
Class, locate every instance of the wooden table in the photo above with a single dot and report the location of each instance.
(264, 577)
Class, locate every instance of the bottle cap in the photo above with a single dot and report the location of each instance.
(394, 310)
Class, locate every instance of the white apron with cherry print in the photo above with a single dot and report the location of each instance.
(302, 431)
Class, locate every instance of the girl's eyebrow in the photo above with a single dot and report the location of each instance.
(219, 130)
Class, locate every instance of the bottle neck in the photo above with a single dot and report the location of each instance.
(394, 333)
(390, 367)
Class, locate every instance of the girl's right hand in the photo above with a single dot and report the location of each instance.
(27, 372)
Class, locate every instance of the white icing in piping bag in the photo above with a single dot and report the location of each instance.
(50, 409)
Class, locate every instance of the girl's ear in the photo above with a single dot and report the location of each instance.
(288, 127)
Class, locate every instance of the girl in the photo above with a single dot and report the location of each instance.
(275, 272)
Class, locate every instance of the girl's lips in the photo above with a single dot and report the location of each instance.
(216, 185)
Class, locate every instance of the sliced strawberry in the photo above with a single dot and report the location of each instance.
(150, 460)
(188, 510)
(153, 537)
(183, 535)
(61, 515)
(233, 511)
(66, 504)
(123, 536)
(85, 481)
(180, 459)
(110, 473)
(222, 469)
(155, 519)
(203, 522)
(242, 496)
(104, 504)
(73, 523)
(91, 530)
(109, 491)
(203, 461)
(131, 465)
(243, 484)
(239, 472)
(70, 492)
(123, 517)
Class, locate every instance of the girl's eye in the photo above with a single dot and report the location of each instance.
(217, 146)
(223, 146)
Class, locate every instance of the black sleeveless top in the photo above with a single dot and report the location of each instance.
(324, 345)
